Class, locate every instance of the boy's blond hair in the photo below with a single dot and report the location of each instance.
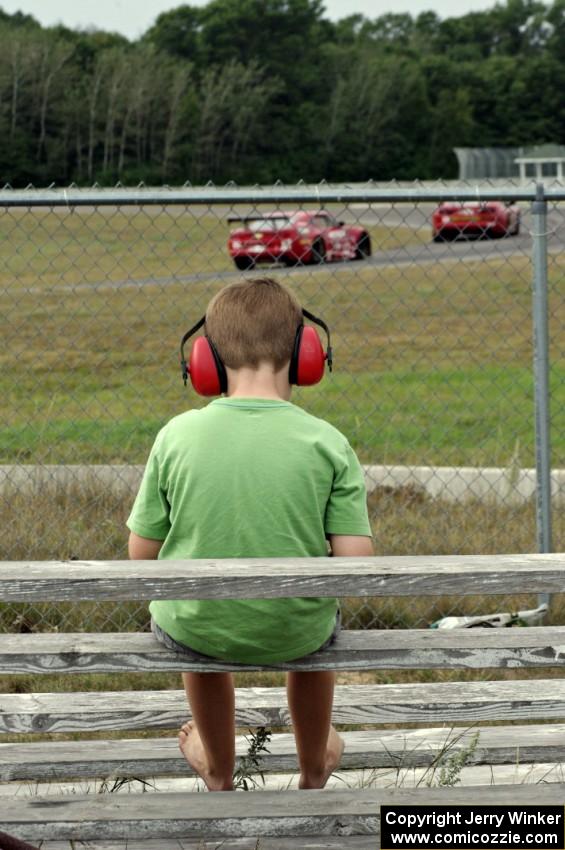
(254, 321)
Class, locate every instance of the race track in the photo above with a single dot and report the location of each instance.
(394, 217)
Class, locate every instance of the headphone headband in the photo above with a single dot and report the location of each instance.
(322, 324)
(184, 368)
(207, 349)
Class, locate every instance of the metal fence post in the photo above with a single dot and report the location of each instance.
(541, 375)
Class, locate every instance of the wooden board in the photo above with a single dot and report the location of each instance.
(474, 649)
(25, 581)
(238, 815)
(383, 748)
(438, 702)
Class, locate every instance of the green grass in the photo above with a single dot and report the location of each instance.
(449, 417)
(90, 363)
(433, 364)
(474, 417)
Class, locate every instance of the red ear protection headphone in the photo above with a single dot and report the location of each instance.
(208, 373)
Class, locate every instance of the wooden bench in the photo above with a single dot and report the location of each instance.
(336, 817)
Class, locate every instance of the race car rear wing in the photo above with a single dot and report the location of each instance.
(234, 218)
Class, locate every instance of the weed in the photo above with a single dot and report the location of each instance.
(447, 766)
(249, 766)
(112, 786)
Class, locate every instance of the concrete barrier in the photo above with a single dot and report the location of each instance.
(500, 485)
(449, 483)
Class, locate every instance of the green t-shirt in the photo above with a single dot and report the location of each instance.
(249, 478)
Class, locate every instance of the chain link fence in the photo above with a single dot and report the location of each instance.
(434, 371)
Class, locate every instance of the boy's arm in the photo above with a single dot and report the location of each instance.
(143, 548)
(351, 546)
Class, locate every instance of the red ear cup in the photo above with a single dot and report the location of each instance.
(310, 358)
(208, 373)
(203, 368)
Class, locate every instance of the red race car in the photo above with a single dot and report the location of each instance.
(295, 238)
(490, 219)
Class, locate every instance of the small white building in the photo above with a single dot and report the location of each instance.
(542, 161)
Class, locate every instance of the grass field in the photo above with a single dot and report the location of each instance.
(432, 366)
(432, 362)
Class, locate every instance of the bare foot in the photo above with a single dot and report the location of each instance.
(333, 758)
(192, 748)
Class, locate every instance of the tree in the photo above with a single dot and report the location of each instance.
(233, 104)
(257, 90)
(377, 118)
(177, 33)
(51, 54)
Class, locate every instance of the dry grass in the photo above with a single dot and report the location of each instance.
(91, 525)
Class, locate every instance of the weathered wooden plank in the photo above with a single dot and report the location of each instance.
(185, 815)
(23, 581)
(354, 650)
(383, 748)
(232, 814)
(409, 777)
(438, 702)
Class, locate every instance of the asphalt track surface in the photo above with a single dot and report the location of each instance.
(425, 254)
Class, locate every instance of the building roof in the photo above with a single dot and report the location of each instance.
(541, 152)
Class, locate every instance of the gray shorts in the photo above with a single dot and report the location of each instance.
(170, 643)
(189, 653)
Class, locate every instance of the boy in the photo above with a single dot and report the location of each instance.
(251, 475)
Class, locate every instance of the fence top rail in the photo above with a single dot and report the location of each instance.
(317, 194)
(24, 581)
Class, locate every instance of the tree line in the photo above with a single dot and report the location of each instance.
(261, 90)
